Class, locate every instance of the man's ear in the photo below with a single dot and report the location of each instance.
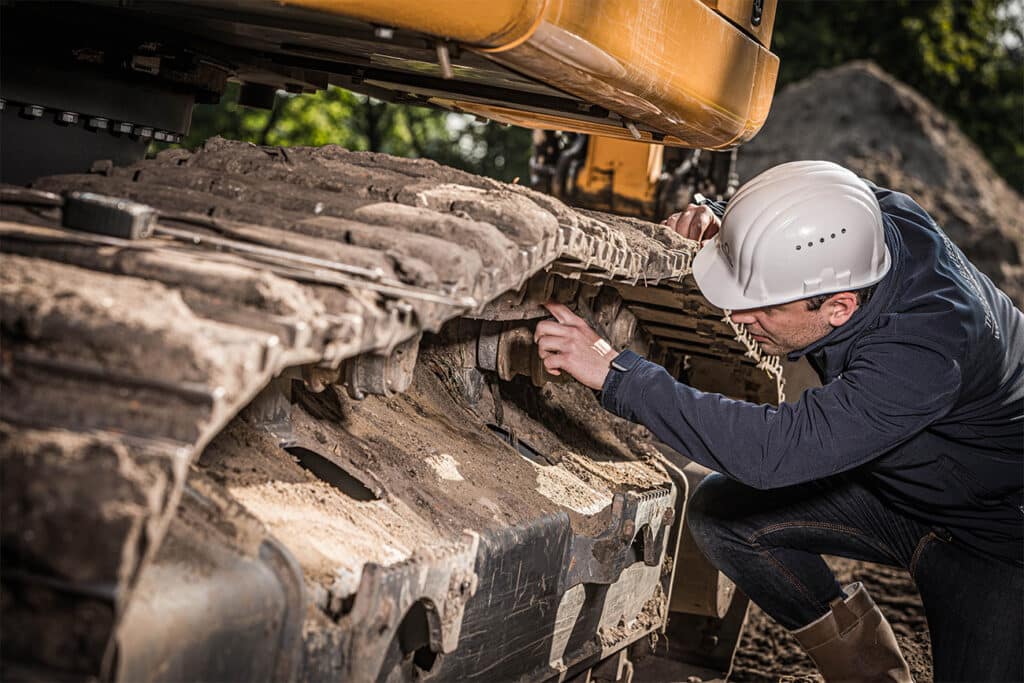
(840, 307)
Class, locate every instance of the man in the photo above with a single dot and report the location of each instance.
(911, 452)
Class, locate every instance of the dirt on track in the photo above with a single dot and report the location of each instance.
(859, 116)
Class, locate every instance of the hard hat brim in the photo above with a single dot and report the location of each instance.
(717, 281)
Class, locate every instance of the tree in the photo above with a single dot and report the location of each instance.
(966, 57)
(357, 122)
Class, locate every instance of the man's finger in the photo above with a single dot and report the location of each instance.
(699, 226)
(685, 225)
(705, 223)
(549, 344)
(550, 328)
(677, 220)
(562, 313)
(553, 363)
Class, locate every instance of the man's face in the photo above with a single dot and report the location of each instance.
(786, 327)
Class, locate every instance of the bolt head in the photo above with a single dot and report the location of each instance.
(68, 117)
(33, 111)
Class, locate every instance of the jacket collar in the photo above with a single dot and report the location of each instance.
(865, 316)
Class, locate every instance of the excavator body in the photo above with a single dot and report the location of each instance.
(276, 414)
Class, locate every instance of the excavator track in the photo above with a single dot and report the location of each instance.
(275, 414)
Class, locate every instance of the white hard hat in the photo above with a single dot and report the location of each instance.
(797, 230)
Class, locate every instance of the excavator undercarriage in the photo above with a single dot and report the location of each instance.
(296, 424)
(275, 413)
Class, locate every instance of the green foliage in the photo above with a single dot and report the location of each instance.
(357, 122)
(966, 57)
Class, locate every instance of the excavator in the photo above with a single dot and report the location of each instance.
(276, 413)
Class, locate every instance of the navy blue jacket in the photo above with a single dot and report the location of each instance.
(922, 398)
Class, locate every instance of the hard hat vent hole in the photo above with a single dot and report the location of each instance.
(843, 231)
(822, 240)
(833, 235)
(798, 247)
(810, 244)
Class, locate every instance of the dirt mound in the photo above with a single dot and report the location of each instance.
(861, 117)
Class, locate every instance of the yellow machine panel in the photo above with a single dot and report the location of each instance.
(611, 179)
(677, 69)
(492, 24)
(756, 17)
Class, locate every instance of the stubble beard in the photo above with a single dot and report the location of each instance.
(799, 338)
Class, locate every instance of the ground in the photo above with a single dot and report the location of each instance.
(768, 654)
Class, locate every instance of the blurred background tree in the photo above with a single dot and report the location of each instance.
(357, 122)
(967, 57)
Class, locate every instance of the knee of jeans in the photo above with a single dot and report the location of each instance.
(710, 527)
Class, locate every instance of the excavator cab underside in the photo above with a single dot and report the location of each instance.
(113, 77)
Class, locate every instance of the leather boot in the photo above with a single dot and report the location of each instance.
(853, 643)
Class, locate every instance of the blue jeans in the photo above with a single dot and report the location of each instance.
(770, 543)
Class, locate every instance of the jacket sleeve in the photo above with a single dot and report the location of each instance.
(890, 391)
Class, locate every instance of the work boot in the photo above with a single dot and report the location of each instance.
(853, 643)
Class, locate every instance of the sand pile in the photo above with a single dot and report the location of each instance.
(859, 116)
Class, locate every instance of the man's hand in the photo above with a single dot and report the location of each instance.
(569, 344)
(696, 223)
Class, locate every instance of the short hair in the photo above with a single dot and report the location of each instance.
(863, 296)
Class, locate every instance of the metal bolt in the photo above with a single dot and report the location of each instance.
(98, 123)
(160, 136)
(122, 128)
(444, 61)
(384, 32)
(3, 104)
(69, 118)
(33, 111)
(143, 132)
